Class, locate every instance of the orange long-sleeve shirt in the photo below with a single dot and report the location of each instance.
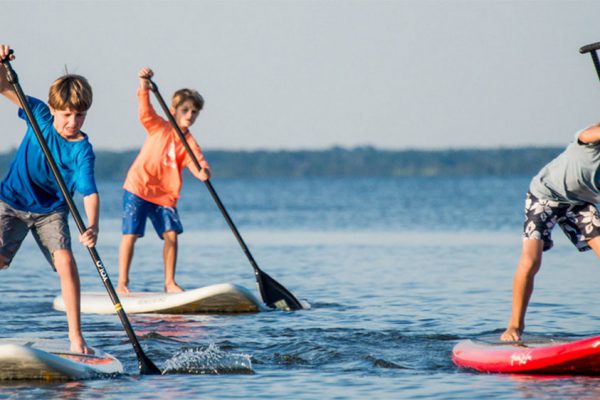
(155, 174)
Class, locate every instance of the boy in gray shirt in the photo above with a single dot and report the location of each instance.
(565, 192)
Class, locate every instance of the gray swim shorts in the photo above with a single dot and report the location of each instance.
(579, 222)
(50, 231)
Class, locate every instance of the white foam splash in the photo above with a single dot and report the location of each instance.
(209, 360)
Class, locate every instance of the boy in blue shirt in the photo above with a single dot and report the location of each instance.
(30, 198)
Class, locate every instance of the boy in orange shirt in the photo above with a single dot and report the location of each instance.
(153, 183)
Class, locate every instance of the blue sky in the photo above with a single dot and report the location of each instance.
(275, 74)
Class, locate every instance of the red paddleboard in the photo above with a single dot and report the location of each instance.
(579, 357)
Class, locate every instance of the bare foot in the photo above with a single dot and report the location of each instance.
(123, 289)
(511, 335)
(79, 345)
(173, 288)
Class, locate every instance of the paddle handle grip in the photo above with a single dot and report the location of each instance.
(590, 47)
(10, 53)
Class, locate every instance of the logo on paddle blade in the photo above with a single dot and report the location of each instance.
(282, 305)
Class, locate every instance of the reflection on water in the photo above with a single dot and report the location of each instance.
(547, 387)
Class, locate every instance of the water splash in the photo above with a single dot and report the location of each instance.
(305, 304)
(209, 360)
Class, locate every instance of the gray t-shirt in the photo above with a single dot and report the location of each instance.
(571, 176)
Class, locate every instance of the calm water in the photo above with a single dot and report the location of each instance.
(397, 271)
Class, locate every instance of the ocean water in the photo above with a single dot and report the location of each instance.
(397, 270)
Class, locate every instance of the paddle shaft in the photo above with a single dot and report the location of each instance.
(145, 364)
(293, 303)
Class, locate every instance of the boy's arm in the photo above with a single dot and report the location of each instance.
(6, 88)
(91, 203)
(150, 120)
(590, 135)
(205, 173)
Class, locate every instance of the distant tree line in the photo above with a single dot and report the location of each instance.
(342, 162)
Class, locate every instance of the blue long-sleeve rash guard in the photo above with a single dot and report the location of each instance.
(29, 184)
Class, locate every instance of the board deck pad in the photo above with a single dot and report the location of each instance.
(213, 299)
(533, 356)
(46, 359)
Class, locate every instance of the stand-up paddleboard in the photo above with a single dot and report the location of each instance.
(220, 298)
(45, 359)
(547, 356)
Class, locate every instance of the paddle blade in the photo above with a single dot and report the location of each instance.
(274, 294)
(147, 367)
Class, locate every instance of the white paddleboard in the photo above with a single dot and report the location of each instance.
(45, 359)
(219, 298)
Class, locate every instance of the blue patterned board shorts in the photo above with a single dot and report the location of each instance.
(579, 222)
(136, 210)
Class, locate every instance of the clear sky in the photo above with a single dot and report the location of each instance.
(299, 74)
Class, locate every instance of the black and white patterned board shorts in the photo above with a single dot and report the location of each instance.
(580, 222)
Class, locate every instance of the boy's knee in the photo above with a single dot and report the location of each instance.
(129, 239)
(170, 237)
(530, 263)
(63, 261)
(531, 256)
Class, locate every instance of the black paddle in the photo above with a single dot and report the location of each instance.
(272, 292)
(145, 364)
(591, 48)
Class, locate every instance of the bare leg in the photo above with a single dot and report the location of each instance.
(170, 260)
(69, 282)
(529, 264)
(595, 245)
(3, 262)
(125, 257)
